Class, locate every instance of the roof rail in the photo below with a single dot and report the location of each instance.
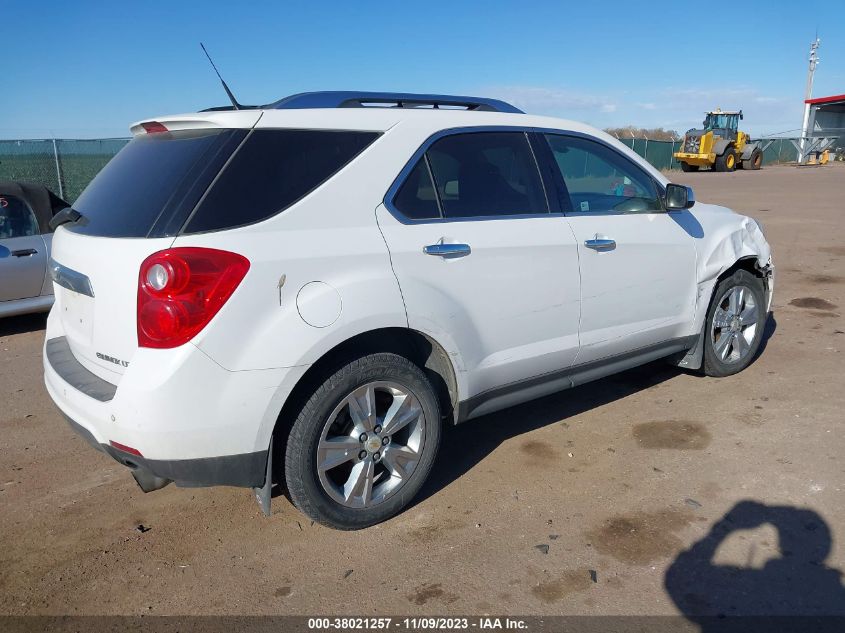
(351, 99)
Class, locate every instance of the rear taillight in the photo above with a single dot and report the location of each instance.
(181, 289)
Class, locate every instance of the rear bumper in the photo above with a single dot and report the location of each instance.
(193, 422)
(246, 470)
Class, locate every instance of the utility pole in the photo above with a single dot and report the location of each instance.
(807, 125)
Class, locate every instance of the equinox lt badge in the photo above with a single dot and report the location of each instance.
(112, 359)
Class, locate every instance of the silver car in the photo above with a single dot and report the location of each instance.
(25, 240)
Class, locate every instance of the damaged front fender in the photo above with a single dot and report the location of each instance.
(742, 240)
(727, 239)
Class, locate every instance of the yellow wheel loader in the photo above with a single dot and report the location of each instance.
(719, 145)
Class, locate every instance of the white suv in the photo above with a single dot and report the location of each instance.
(320, 284)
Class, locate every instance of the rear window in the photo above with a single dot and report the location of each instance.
(151, 186)
(271, 171)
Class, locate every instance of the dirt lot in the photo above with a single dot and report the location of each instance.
(582, 503)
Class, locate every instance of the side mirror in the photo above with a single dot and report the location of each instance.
(679, 197)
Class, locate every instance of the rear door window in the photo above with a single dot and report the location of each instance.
(16, 219)
(273, 170)
(486, 174)
(150, 187)
(416, 198)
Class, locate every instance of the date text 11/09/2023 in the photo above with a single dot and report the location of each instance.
(417, 624)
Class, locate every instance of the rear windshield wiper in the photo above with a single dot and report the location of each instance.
(68, 214)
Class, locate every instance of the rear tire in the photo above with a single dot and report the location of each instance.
(727, 161)
(687, 167)
(735, 323)
(343, 481)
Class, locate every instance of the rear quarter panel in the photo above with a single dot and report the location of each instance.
(331, 236)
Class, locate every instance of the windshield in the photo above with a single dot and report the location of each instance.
(151, 185)
(720, 121)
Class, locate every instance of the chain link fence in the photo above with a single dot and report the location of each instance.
(659, 153)
(66, 166)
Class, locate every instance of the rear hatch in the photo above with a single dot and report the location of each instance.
(134, 207)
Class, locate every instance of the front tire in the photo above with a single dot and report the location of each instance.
(727, 161)
(364, 443)
(735, 322)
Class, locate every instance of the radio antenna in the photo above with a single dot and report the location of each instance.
(235, 104)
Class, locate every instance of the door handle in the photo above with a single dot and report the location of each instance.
(24, 252)
(601, 244)
(447, 250)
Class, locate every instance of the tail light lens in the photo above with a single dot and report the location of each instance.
(181, 289)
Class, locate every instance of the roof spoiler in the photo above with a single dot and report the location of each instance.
(351, 99)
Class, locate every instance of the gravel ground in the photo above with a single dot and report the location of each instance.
(652, 492)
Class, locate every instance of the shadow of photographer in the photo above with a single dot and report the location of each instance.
(796, 584)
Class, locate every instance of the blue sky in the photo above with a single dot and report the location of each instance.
(86, 69)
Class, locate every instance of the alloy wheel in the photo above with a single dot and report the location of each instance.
(735, 324)
(371, 444)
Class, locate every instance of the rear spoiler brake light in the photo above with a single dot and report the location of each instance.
(153, 127)
(241, 119)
